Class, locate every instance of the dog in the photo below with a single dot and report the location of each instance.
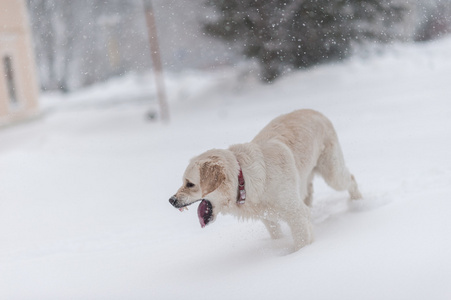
(270, 178)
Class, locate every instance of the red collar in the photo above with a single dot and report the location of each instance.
(241, 191)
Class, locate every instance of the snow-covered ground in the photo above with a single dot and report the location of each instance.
(84, 190)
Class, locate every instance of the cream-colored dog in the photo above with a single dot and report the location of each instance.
(270, 178)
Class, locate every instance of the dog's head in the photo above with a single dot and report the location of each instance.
(205, 180)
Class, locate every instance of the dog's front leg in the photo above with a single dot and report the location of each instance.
(301, 227)
(273, 229)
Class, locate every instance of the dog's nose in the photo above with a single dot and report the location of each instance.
(173, 200)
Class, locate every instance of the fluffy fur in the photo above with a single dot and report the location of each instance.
(278, 167)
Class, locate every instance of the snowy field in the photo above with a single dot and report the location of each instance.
(84, 190)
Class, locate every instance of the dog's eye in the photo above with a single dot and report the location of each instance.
(189, 184)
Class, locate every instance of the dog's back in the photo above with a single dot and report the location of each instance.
(306, 132)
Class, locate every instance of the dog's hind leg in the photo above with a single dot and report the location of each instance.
(331, 166)
(354, 190)
(273, 229)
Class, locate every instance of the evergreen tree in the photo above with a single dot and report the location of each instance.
(300, 33)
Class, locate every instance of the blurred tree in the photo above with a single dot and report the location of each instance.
(300, 33)
(435, 21)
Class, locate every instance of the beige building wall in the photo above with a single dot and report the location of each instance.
(18, 82)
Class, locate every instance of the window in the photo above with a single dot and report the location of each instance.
(9, 75)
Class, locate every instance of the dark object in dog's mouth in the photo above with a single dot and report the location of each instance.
(205, 212)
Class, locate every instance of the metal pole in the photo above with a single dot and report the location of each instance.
(156, 60)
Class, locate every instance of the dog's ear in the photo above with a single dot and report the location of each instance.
(211, 176)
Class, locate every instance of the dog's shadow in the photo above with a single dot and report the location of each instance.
(230, 262)
(240, 248)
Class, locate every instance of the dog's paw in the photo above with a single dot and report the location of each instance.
(369, 202)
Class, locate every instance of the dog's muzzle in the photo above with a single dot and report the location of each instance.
(173, 201)
(177, 204)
